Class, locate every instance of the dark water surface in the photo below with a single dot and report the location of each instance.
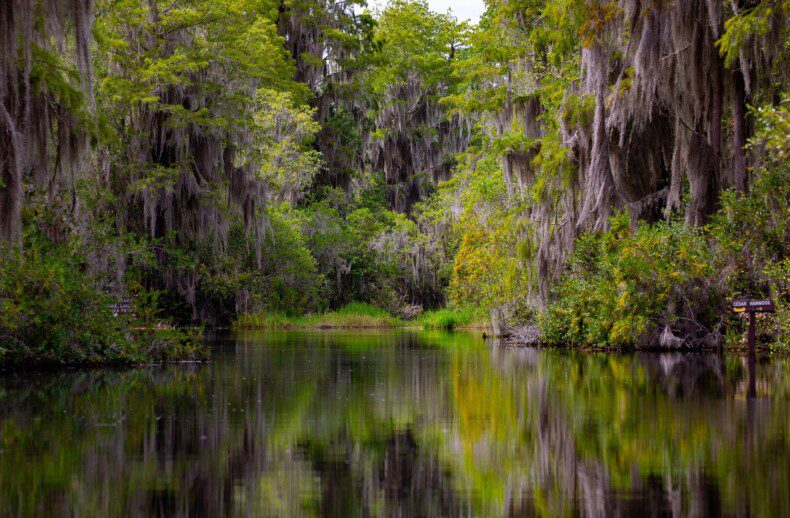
(399, 424)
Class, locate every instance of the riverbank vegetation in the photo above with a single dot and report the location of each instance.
(448, 319)
(53, 312)
(611, 172)
(359, 315)
(352, 316)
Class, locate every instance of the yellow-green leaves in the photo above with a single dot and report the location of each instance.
(415, 42)
(747, 25)
(281, 133)
(219, 47)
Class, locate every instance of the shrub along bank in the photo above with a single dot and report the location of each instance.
(670, 285)
(53, 312)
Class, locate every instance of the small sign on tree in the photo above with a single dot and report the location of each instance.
(122, 307)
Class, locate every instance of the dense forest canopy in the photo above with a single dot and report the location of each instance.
(611, 171)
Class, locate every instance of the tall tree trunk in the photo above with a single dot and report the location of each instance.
(11, 104)
(706, 178)
(10, 180)
(741, 131)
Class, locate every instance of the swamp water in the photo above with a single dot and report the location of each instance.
(399, 423)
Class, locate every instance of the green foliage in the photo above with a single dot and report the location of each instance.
(524, 53)
(355, 315)
(415, 42)
(491, 262)
(625, 283)
(368, 252)
(449, 318)
(290, 278)
(51, 73)
(238, 36)
(53, 312)
(750, 231)
(744, 27)
(622, 285)
(275, 273)
(281, 134)
(772, 135)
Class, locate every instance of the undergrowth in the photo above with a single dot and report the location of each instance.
(356, 315)
(450, 318)
(53, 312)
(670, 285)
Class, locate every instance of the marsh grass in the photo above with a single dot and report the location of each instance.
(356, 315)
(451, 318)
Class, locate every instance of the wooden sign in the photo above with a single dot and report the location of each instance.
(754, 306)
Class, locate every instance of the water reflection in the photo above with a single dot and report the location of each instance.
(399, 424)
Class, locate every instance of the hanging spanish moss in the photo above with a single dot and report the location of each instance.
(654, 117)
(45, 100)
(189, 176)
(418, 143)
(333, 67)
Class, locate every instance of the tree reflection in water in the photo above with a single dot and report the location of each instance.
(398, 424)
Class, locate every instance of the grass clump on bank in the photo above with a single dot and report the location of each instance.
(356, 315)
(450, 318)
(52, 312)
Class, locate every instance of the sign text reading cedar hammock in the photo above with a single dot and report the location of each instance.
(752, 307)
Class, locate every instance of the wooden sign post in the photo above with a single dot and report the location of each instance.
(752, 307)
